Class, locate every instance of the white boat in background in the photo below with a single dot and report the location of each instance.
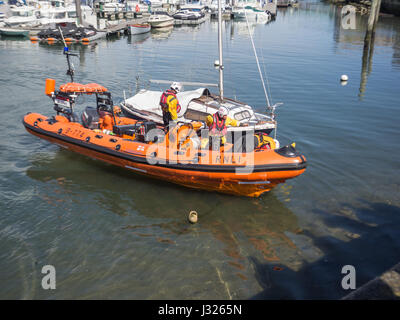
(2, 17)
(24, 15)
(61, 14)
(154, 3)
(160, 20)
(185, 14)
(193, 7)
(113, 7)
(14, 32)
(139, 28)
(251, 13)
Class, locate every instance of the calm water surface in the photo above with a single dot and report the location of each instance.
(112, 234)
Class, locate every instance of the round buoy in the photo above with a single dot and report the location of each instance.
(216, 63)
(193, 217)
(344, 77)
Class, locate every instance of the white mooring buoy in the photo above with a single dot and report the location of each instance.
(193, 217)
(344, 77)
(216, 63)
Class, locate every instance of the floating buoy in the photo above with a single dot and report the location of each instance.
(51, 39)
(69, 40)
(216, 63)
(34, 38)
(85, 40)
(344, 77)
(193, 217)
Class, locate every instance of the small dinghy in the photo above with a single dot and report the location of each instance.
(139, 28)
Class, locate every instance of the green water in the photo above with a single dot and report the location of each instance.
(112, 234)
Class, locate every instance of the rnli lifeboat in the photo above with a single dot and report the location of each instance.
(103, 133)
(249, 168)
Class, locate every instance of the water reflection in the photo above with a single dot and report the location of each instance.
(366, 67)
(76, 48)
(244, 227)
(138, 38)
(161, 33)
(387, 34)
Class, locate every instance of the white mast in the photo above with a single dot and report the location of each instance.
(221, 65)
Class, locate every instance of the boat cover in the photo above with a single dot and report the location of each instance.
(147, 100)
(74, 87)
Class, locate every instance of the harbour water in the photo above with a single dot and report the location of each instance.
(113, 234)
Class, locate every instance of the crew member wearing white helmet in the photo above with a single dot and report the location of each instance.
(170, 105)
(217, 125)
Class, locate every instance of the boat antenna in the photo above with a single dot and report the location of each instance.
(258, 63)
(220, 65)
(70, 70)
(270, 108)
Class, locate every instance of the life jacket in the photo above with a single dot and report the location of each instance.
(164, 101)
(263, 141)
(218, 127)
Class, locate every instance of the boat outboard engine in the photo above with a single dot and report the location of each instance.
(90, 118)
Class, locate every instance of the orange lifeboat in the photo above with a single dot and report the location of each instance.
(143, 148)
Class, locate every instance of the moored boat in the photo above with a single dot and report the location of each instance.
(14, 32)
(139, 28)
(160, 20)
(196, 105)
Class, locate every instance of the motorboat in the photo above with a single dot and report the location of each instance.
(139, 28)
(154, 3)
(160, 20)
(185, 14)
(23, 15)
(251, 13)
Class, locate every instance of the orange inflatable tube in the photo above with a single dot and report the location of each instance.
(242, 174)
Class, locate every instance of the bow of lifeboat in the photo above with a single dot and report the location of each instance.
(246, 174)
